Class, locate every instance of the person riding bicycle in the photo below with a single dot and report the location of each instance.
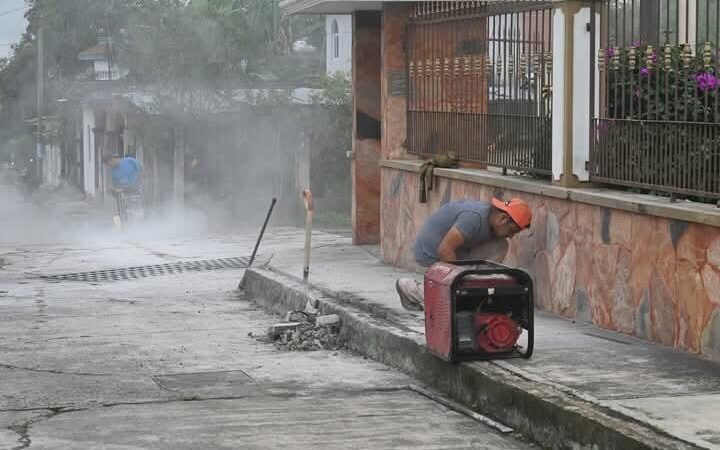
(126, 187)
(125, 172)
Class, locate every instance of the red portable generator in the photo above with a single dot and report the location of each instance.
(478, 310)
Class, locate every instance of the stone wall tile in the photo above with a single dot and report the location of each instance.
(693, 306)
(644, 253)
(602, 282)
(558, 207)
(621, 228)
(583, 236)
(662, 309)
(623, 306)
(539, 229)
(583, 311)
(523, 249)
(563, 286)
(552, 232)
(392, 182)
(543, 278)
(597, 226)
(713, 251)
(693, 245)
(711, 282)
(568, 226)
(643, 320)
(711, 336)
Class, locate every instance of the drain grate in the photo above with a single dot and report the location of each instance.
(154, 270)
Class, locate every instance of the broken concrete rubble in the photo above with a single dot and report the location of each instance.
(275, 331)
(305, 331)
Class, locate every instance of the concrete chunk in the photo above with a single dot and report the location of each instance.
(330, 319)
(276, 330)
(311, 307)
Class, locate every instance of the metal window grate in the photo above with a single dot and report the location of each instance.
(656, 112)
(154, 270)
(480, 82)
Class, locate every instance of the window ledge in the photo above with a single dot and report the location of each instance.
(637, 203)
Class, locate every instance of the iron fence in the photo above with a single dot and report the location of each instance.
(656, 123)
(479, 82)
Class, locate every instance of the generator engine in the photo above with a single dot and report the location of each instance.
(486, 333)
(478, 310)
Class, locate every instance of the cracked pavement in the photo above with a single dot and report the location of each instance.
(171, 362)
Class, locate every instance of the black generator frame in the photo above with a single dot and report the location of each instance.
(525, 291)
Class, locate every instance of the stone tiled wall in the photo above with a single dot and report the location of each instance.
(651, 277)
(367, 120)
(394, 105)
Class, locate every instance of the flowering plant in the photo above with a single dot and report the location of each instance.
(670, 83)
(660, 127)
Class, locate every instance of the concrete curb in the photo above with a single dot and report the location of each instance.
(550, 417)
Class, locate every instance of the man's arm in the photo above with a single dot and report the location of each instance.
(453, 240)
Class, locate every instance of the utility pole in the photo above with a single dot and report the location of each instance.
(40, 100)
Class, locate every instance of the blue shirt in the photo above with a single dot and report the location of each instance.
(127, 172)
(471, 219)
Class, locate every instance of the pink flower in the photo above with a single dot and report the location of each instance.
(644, 72)
(706, 81)
(638, 93)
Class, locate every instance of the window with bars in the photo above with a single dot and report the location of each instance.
(479, 82)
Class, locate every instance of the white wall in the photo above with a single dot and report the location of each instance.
(52, 165)
(342, 60)
(558, 94)
(582, 92)
(578, 118)
(88, 161)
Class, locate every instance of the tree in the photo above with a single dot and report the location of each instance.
(70, 27)
(192, 54)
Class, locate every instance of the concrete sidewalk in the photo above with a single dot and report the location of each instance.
(583, 388)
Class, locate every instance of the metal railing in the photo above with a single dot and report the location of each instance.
(107, 75)
(479, 82)
(656, 123)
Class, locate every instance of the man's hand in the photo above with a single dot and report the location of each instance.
(453, 240)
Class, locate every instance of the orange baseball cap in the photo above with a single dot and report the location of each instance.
(517, 209)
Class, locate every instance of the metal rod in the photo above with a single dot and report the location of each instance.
(262, 232)
(593, 81)
(309, 207)
(40, 88)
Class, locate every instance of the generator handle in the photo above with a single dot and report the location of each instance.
(480, 262)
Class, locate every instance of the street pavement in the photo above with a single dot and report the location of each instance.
(173, 361)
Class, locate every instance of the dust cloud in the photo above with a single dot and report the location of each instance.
(223, 117)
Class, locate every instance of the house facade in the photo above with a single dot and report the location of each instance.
(102, 68)
(338, 46)
(562, 104)
(103, 116)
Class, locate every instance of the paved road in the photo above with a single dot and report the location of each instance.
(166, 362)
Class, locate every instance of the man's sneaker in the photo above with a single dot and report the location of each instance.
(411, 294)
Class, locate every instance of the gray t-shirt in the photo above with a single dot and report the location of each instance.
(469, 216)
